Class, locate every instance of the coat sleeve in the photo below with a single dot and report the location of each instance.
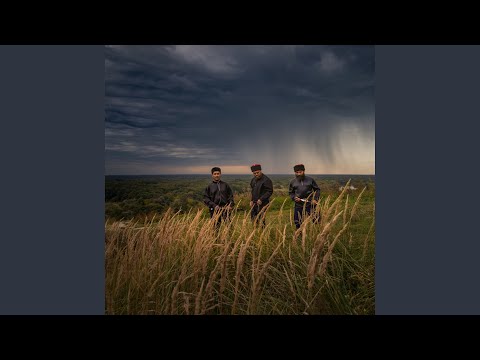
(291, 190)
(268, 185)
(230, 196)
(207, 198)
(251, 190)
(316, 188)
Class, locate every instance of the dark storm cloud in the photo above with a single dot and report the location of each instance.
(175, 108)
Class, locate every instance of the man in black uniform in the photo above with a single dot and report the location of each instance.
(305, 192)
(218, 196)
(262, 189)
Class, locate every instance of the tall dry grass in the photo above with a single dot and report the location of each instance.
(182, 264)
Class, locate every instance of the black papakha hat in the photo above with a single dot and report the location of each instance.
(256, 167)
(216, 169)
(299, 167)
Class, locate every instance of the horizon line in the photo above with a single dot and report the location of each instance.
(226, 174)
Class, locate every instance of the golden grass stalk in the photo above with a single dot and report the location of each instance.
(258, 279)
(364, 252)
(337, 200)
(328, 255)
(240, 262)
(312, 265)
(199, 298)
(345, 211)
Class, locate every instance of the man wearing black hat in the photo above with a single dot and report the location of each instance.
(262, 189)
(305, 192)
(218, 196)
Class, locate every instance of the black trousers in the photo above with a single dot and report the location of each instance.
(225, 216)
(257, 209)
(298, 215)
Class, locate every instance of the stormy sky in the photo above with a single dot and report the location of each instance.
(184, 109)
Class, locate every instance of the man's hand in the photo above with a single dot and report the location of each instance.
(251, 203)
(297, 199)
(259, 202)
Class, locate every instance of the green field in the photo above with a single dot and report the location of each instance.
(164, 256)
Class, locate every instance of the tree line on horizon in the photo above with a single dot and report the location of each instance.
(126, 198)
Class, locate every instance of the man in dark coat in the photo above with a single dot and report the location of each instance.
(262, 189)
(218, 196)
(305, 192)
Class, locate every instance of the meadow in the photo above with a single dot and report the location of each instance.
(164, 255)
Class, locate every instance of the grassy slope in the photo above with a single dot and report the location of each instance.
(178, 264)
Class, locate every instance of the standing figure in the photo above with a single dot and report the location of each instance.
(262, 189)
(305, 192)
(218, 196)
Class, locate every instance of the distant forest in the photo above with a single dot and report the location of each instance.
(130, 196)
